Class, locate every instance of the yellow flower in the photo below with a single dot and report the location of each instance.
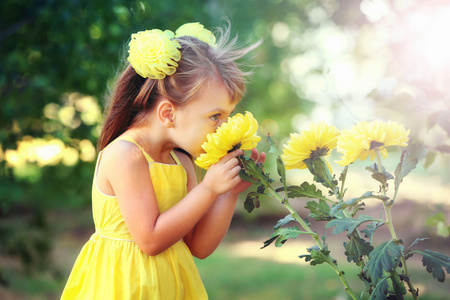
(196, 30)
(366, 138)
(154, 53)
(318, 140)
(239, 132)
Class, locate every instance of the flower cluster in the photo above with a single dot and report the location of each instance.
(239, 132)
(358, 142)
(155, 53)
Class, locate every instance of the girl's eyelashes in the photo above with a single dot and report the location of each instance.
(215, 117)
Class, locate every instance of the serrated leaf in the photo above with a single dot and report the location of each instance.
(371, 228)
(349, 224)
(317, 256)
(356, 248)
(284, 221)
(406, 165)
(351, 202)
(304, 190)
(281, 235)
(435, 263)
(319, 210)
(384, 258)
(416, 241)
(286, 233)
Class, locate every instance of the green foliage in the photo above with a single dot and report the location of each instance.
(382, 267)
(348, 224)
(357, 248)
(317, 256)
(435, 263)
(384, 258)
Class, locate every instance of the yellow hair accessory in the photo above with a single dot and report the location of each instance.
(196, 30)
(154, 53)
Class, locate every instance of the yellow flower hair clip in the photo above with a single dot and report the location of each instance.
(154, 53)
(198, 31)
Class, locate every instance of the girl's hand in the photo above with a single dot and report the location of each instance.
(243, 185)
(222, 176)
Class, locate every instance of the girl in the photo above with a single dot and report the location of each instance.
(150, 214)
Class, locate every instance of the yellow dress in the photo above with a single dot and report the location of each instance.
(111, 265)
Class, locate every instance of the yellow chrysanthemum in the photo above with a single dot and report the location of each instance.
(366, 138)
(238, 132)
(196, 30)
(318, 140)
(154, 53)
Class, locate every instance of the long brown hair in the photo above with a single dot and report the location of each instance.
(135, 96)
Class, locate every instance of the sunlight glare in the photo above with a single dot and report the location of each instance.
(432, 43)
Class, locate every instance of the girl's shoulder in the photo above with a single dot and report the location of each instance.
(122, 153)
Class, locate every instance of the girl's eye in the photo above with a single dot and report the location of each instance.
(215, 118)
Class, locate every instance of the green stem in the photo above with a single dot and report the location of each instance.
(315, 236)
(390, 225)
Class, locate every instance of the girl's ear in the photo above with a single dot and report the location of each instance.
(165, 111)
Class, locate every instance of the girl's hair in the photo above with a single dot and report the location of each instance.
(135, 96)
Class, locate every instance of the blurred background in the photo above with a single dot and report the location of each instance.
(337, 61)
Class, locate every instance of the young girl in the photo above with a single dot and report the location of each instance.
(150, 214)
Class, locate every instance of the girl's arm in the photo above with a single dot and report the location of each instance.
(212, 227)
(127, 172)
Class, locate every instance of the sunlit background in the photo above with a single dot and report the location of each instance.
(337, 61)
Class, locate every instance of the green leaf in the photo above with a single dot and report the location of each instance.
(272, 146)
(251, 201)
(281, 235)
(416, 241)
(304, 190)
(317, 256)
(246, 177)
(381, 289)
(319, 168)
(398, 288)
(435, 262)
(351, 202)
(284, 221)
(384, 258)
(348, 224)
(281, 170)
(406, 165)
(319, 210)
(357, 248)
(379, 175)
(371, 228)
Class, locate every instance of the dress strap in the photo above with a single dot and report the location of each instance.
(131, 140)
(147, 156)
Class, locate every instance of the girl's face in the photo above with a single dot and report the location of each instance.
(201, 116)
